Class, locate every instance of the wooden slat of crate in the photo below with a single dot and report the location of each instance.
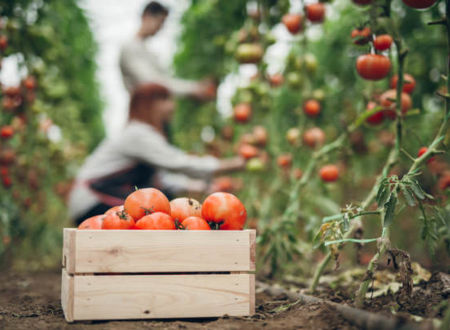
(109, 297)
(135, 251)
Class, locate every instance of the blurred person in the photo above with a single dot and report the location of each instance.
(140, 156)
(138, 65)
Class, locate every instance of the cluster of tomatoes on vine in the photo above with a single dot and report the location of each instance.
(150, 209)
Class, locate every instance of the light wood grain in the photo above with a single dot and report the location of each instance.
(69, 249)
(67, 295)
(147, 251)
(109, 297)
(252, 295)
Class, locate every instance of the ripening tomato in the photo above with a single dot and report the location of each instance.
(377, 118)
(182, 208)
(195, 223)
(118, 220)
(6, 131)
(382, 42)
(409, 83)
(385, 101)
(297, 173)
(7, 156)
(312, 108)
(362, 36)
(314, 137)
(260, 135)
(315, 12)
(3, 42)
(276, 79)
(249, 53)
(373, 66)
(248, 151)
(293, 136)
(94, 222)
(423, 150)
(223, 184)
(225, 211)
(4, 171)
(145, 201)
(242, 112)
(156, 221)
(114, 209)
(419, 4)
(329, 173)
(29, 83)
(293, 22)
(284, 160)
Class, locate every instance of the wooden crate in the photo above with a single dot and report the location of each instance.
(145, 274)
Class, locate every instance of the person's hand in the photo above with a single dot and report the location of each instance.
(232, 164)
(206, 90)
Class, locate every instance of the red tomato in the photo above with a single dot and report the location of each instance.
(156, 221)
(419, 4)
(293, 22)
(118, 220)
(276, 79)
(94, 222)
(242, 112)
(4, 171)
(409, 83)
(182, 208)
(422, 151)
(444, 181)
(284, 161)
(248, 151)
(29, 83)
(114, 209)
(3, 42)
(195, 223)
(385, 101)
(260, 135)
(312, 108)
(6, 131)
(373, 66)
(329, 173)
(225, 211)
(144, 201)
(7, 182)
(377, 118)
(382, 42)
(315, 12)
(12, 91)
(362, 36)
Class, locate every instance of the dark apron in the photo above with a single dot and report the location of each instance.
(113, 189)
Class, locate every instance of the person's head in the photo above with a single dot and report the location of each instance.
(153, 104)
(153, 17)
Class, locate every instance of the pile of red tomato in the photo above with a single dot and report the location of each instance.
(149, 208)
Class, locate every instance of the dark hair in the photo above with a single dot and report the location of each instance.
(154, 8)
(146, 94)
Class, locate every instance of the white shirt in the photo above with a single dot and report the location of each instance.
(139, 66)
(139, 142)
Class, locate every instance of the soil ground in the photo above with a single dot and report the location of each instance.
(31, 301)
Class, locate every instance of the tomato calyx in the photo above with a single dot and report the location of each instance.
(148, 211)
(123, 215)
(215, 225)
(179, 225)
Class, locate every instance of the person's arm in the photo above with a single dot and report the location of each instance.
(141, 143)
(180, 183)
(140, 67)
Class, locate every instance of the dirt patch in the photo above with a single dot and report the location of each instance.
(32, 301)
